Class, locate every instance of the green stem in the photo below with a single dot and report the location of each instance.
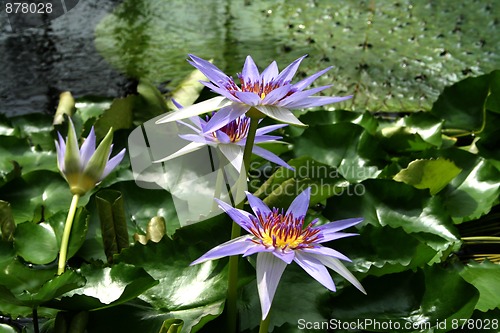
(232, 283)
(67, 231)
(264, 325)
(481, 239)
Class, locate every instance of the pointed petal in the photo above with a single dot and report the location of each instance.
(250, 72)
(328, 237)
(287, 74)
(308, 80)
(335, 265)
(277, 94)
(265, 138)
(176, 104)
(222, 137)
(312, 101)
(315, 268)
(239, 216)
(224, 116)
(212, 72)
(269, 272)
(269, 73)
(113, 163)
(286, 256)
(233, 247)
(72, 161)
(61, 151)
(257, 249)
(192, 146)
(281, 114)
(197, 138)
(266, 154)
(301, 95)
(88, 147)
(248, 98)
(326, 251)
(335, 226)
(258, 206)
(196, 127)
(267, 129)
(195, 109)
(100, 159)
(300, 204)
(220, 90)
(234, 155)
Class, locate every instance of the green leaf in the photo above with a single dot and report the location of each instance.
(106, 287)
(172, 326)
(113, 224)
(493, 101)
(419, 298)
(485, 277)
(78, 230)
(347, 147)
(4, 328)
(284, 185)
(7, 224)
(365, 119)
(118, 116)
(474, 191)
(394, 204)
(50, 290)
(462, 104)
(36, 243)
(153, 97)
(431, 174)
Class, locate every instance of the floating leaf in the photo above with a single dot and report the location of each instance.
(486, 278)
(118, 116)
(36, 243)
(431, 174)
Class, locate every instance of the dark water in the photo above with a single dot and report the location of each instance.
(37, 64)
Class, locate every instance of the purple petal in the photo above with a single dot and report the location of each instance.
(257, 249)
(315, 268)
(326, 251)
(339, 225)
(196, 138)
(266, 154)
(258, 206)
(250, 72)
(307, 81)
(267, 129)
(286, 256)
(301, 95)
(239, 216)
(112, 163)
(278, 113)
(233, 247)
(248, 98)
(312, 101)
(222, 137)
(176, 104)
(300, 204)
(266, 138)
(327, 237)
(212, 72)
(287, 74)
(269, 73)
(221, 91)
(88, 147)
(269, 272)
(61, 151)
(277, 94)
(224, 116)
(192, 146)
(196, 109)
(335, 265)
(188, 125)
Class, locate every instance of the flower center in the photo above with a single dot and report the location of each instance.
(236, 129)
(283, 231)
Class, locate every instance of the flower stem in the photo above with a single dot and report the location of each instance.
(67, 231)
(232, 283)
(264, 325)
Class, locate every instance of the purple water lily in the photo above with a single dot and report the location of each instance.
(279, 238)
(84, 168)
(229, 139)
(269, 93)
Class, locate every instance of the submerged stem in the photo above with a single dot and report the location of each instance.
(232, 284)
(66, 233)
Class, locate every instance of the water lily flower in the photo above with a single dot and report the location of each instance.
(279, 238)
(229, 139)
(269, 93)
(84, 168)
